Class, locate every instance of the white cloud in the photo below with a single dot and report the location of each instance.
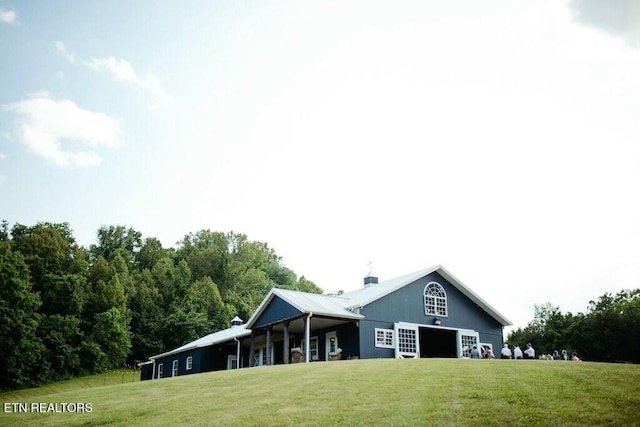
(121, 70)
(7, 16)
(63, 50)
(44, 124)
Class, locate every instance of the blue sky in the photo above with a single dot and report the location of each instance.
(499, 138)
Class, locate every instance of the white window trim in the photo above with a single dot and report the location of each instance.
(189, 363)
(386, 333)
(486, 344)
(314, 354)
(174, 368)
(436, 298)
(160, 369)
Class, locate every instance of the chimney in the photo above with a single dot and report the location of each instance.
(235, 322)
(370, 278)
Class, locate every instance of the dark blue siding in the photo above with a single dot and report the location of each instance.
(407, 305)
(204, 359)
(368, 347)
(146, 371)
(347, 340)
(276, 311)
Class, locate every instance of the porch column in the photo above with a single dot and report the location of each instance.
(285, 352)
(251, 349)
(268, 356)
(307, 338)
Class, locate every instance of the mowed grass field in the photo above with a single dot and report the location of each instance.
(358, 392)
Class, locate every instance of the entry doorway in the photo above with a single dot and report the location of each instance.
(436, 342)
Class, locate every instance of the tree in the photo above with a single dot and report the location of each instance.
(20, 349)
(115, 237)
(150, 253)
(112, 335)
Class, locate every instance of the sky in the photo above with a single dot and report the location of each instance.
(498, 139)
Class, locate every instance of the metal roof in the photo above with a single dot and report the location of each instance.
(367, 295)
(214, 338)
(321, 305)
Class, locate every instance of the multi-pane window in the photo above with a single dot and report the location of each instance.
(189, 363)
(174, 370)
(435, 300)
(468, 342)
(160, 370)
(407, 341)
(384, 338)
(313, 348)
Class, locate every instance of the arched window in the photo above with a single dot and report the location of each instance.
(435, 300)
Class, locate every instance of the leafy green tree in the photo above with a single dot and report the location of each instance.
(111, 334)
(61, 335)
(115, 237)
(146, 320)
(20, 348)
(47, 249)
(150, 253)
(306, 285)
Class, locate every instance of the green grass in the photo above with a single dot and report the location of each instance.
(361, 392)
(120, 376)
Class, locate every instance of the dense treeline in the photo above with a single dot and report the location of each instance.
(608, 332)
(67, 310)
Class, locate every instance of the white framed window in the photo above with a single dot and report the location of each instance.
(384, 338)
(467, 340)
(435, 300)
(407, 342)
(313, 348)
(174, 370)
(189, 363)
(160, 366)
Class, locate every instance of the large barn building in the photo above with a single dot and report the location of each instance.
(429, 313)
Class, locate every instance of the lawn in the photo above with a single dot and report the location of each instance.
(359, 392)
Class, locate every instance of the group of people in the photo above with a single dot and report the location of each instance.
(530, 353)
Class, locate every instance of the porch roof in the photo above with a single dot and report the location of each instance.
(321, 305)
(207, 340)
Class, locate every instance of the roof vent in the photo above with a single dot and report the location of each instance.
(236, 321)
(370, 278)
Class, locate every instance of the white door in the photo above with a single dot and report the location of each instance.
(466, 340)
(331, 344)
(232, 362)
(407, 341)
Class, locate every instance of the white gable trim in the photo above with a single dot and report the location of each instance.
(386, 288)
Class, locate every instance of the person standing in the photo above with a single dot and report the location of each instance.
(517, 353)
(505, 353)
(530, 353)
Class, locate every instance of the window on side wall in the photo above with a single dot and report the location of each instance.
(384, 338)
(160, 366)
(435, 300)
(189, 364)
(174, 370)
(313, 345)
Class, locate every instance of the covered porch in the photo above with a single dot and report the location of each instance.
(291, 327)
